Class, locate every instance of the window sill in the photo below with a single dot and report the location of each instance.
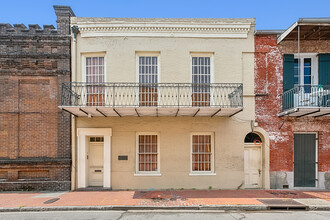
(202, 174)
(147, 174)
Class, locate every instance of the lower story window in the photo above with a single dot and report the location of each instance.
(147, 153)
(202, 153)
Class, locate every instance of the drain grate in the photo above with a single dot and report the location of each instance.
(284, 204)
(51, 201)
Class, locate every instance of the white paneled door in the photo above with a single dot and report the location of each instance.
(95, 161)
(252, 166)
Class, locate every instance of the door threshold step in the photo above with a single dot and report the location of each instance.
(94, 188)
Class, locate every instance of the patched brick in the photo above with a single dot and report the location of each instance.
(269, 83)
(35, 147)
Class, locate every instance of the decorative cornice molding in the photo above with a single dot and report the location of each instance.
(229, 30)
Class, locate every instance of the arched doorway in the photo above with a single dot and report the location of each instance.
(253, 161)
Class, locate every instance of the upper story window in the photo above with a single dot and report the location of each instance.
(95, 69)
(305, 80)
(95, 91)
(148, 79)
(305, 70)
(201, 79)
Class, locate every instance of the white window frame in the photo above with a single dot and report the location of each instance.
(203, 54)
(139, 54)
(202, 173)
(83, 61)
(84, 56)
(146, 173)
(314, 69)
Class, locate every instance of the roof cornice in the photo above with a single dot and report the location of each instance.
(168, 29)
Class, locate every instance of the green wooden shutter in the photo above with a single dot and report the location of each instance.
(324, 77)
(304, 160)
(324, 69)
(288, 80)
(288, 69)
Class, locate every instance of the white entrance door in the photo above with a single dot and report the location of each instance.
(252, 165)
(95, 162)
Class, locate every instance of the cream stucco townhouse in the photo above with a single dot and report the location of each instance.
(164, 103)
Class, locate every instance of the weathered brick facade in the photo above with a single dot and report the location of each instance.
(35, 150)
(269, 90)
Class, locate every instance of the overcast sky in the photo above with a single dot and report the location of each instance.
(275, 14)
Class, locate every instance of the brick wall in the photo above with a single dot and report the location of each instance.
(35, 148)
(269, 88)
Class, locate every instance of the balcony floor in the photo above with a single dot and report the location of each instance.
(306, 112)
(92, 111)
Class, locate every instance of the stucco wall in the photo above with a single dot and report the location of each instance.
(175, 63)
(175, 146)
(232, 63)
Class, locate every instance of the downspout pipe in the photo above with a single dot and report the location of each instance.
(74, 31)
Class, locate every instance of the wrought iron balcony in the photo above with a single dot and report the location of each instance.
(156, 99)
(307, 100)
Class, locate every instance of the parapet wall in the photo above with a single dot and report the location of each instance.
(63, 14)
(21, 29)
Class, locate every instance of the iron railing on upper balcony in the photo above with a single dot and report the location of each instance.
(307, 96)
(222, 95)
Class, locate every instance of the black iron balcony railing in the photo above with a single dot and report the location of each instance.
(224, 95)
(306, 96)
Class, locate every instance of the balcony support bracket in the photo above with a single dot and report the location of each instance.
(287, 116)
(69, 112)
(117, 112)
(236, 113)
(84, 112)
(322, 115)
(216, 112)
(136, 112)
(177, 112)
(309, 113)
(101, 112)
(196, 112)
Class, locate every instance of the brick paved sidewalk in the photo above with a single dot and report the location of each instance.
(175, 198)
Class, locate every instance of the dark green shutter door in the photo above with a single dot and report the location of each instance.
(304, 160)
(288, 80)
(324, 69)
(324, 77)
(288, 69)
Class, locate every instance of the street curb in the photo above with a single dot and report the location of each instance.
(319, 208)
(126, 208)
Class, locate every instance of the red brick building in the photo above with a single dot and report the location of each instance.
(292, 79)
(35, 151)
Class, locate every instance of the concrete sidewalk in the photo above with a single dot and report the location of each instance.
(251, 200)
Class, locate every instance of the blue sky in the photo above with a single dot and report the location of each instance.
(275, 14)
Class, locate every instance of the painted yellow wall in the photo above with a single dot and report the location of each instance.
(233, 63)
(174, 150)
(120, 56)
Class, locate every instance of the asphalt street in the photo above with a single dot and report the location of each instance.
(167, 214)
